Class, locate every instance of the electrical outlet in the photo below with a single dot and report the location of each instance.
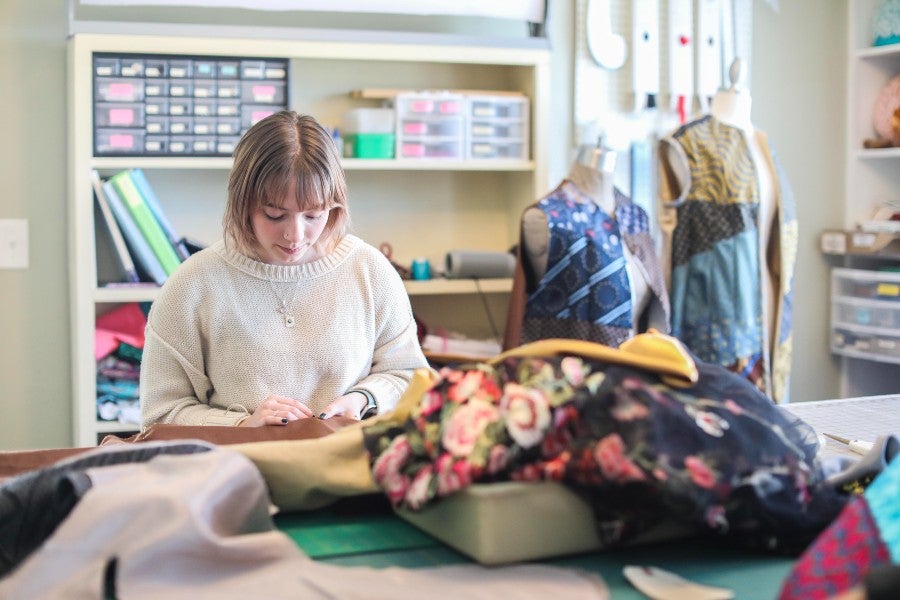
(13, 243)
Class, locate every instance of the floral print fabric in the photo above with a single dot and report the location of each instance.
(718, 456)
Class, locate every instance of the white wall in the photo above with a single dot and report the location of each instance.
(798, 78)
(799, 72)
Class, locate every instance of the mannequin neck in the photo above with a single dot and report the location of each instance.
(733, 107)
(597, 185)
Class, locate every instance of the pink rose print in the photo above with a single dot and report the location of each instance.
(700, 472)
(395, 486)
(497, 459)
(529, 472)
(716, 519)
(615, 465)
(489, 391)
(452, 475)
(466, 425)
(573, 370)
(465, 388)
(709, 422)
(450, 375)
(526, 412)
(627, 409)
(733, 407)
(392, 459)
(387, 469)
(431, 402)
(417, 493)
(555, 469)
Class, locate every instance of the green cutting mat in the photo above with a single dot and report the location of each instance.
(327, 535)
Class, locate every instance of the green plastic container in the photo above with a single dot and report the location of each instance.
(369, 145)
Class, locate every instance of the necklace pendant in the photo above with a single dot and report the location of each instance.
(289, 320)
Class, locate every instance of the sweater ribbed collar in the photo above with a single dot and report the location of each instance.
(282, 273)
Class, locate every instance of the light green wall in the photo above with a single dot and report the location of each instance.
(799, 72)
(798, 80)
(34, 320)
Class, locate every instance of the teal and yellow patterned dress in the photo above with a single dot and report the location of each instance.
(716, 265)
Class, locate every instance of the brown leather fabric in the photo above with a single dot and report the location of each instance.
(301, 429)
(16, 462)
(515, 315)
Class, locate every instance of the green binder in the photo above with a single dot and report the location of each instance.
(146, 222)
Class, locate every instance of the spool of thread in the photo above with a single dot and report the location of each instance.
(462, 264)
(421, 269)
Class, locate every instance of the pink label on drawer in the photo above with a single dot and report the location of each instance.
(413, 150)
(414, 128)
(421, 106)
(121, 90)
(121, 116)
(264, 93)
(121, 140)
(449, 107)
(259, 115)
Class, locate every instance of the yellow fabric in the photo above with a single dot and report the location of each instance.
(653, 351)
(308, 474)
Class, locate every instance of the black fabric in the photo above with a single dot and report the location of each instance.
(34, 504)
(718, 457)
(883, 583)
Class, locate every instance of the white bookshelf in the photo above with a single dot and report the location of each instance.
(422, 208)
(872, 177)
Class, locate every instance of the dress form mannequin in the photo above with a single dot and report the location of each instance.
(729, 227)
(732, 106)
(593, 173)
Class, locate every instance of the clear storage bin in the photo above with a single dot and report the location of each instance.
(865, 314)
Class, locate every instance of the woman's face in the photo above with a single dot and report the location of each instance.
(285, 234)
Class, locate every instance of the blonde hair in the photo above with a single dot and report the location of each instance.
(286, 151)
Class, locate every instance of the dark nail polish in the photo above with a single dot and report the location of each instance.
(284, 419)
(322, 416)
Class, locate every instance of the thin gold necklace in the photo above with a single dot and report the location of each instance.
(285, 309)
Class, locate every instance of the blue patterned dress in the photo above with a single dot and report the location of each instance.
(716, 274)
(585, 292)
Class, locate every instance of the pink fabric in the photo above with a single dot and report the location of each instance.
(123, 324)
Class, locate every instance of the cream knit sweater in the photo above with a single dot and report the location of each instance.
(216, 348)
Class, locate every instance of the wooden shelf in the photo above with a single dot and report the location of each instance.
(349, 164)
(430, 287)
(861, 243)
(477, 203)
(878, 153)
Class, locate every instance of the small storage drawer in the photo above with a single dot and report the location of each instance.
(119, 115)
(865, 314)
(430, 104)
(430, 149)
(160, 104)
(116, 141)
(118, 89)
(497, 127)
(497, 149)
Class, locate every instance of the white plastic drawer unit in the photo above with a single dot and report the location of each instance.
(865, 314)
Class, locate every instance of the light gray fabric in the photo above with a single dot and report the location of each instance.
(197, 527)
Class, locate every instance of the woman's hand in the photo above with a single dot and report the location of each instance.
(277, 410)
(349, 405)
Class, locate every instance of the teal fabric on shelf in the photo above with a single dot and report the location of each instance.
(886, 23)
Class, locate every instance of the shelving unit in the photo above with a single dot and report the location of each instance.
(872, 177)
(423, 208)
